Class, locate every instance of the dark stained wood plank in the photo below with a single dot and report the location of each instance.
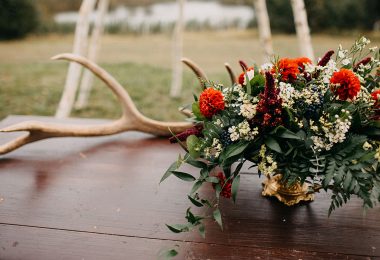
(30, 243)
(110, 185)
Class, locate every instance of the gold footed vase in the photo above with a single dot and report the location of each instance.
(273, 186)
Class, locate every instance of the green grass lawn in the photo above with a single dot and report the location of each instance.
(32, 84)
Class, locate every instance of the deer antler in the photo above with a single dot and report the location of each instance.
(131, 118)
(230, 73)
(197, 71)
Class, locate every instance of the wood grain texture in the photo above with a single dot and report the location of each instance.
(18, 242)
(107, 188)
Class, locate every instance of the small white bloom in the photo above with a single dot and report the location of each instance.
(234, 134)
(248, 110)
(341, 54)
(266, 66)
(250, 74)
(346, 61)
(367, 146)
(219, 122)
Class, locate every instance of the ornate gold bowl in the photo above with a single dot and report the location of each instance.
(274, 186)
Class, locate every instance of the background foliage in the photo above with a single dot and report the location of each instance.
(17, 18)
(323, 15)
(326, 15)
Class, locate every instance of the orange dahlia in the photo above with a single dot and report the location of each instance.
(288, 69)
(345, 84)
(301, 62)
(211, 102)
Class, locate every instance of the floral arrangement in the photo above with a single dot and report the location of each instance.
(306, 123)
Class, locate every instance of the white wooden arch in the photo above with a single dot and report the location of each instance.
(89, 47)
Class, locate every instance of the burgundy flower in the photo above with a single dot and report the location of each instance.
(195, 130)
(363, 62)
(326, 58)
(269, 109)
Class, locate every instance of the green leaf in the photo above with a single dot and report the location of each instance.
(375, 123)
(347, 181)
(258, 80)
(178, 228)
(212, 179)
(353, 184)
(204, 173)
(196, 111)
(168, 254)
(190, 217)
(238, 168)
(218, 217)
(196, 186)
(218, 189)
(213, 128)
(184, 176)
(329, 173)
(206, 202)
(338, 178)
(178, 141)
(195, 202)
(273, 144)
(202, 231)
(168, 172)
(195, 163)
(192, 143)
(235, 187)
(257, 84)
(234, 150)
(290, 117)
(283, 132)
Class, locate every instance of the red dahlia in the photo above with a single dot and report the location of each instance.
(211, 102)
(376, 96)
(301, 62)
(345, 84)
(288, 69)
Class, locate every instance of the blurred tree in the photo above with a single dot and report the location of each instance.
(325, 15)
(17, 18)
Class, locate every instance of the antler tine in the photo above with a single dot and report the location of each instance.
(185, 111)
(123, 96)
(231, 73)
(131, 119)
(16, 143)
(197, 71)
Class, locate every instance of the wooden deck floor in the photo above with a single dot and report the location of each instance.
(99, 198)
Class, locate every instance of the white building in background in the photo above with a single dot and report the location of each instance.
(197, 13)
